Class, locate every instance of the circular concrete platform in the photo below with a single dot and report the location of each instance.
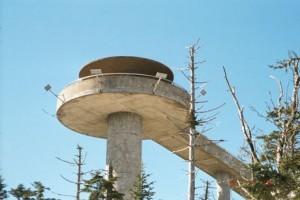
(88, 102)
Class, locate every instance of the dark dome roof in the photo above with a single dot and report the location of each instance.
(127, 64)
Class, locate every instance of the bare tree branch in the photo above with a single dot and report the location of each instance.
(287, 115)
(67, 179)
(245, 127)
(71, 163)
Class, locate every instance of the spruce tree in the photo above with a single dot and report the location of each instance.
(142, 189)
(100, 188)
(278, 172)
(22, 193)
(276, 163)
(3, 192)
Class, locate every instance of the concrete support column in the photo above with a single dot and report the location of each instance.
(223, 188)
(124, 148)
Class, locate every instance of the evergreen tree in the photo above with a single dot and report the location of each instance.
(3, 192)
(100, 188)
(278, 172)
(21, 193)
(276, 164)
(142, 189)
(39, 190)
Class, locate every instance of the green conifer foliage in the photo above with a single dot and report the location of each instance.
(3, 192)
(22, 193)
(276, 164)
(142, 189)
(100, 188)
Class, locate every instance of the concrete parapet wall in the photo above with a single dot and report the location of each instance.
(124, 83)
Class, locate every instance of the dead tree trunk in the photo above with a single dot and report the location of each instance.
(79, 162)
(192, 129)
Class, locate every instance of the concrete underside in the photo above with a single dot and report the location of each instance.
(88, 102)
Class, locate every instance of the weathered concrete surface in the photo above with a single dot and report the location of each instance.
(89, 101)
(124, 149)
(223, 189)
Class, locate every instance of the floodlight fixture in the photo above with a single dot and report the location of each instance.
(161, 75)
(47, 87)
(95, 71)
(203, 92)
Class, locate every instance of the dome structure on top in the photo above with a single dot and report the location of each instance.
(127, 64)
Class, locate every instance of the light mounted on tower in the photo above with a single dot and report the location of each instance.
(48, 88)
(95, 71)
(159, 75)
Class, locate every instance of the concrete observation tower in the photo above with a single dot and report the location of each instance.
(128, 99)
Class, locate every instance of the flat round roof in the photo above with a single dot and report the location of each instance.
(127, 64)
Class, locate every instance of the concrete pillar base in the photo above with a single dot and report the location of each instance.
(124, 148)
(223, 188)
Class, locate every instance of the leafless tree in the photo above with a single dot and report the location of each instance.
(276, 164)
(194, 121)
(78, 161)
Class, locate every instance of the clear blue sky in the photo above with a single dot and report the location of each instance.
(49, 41)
